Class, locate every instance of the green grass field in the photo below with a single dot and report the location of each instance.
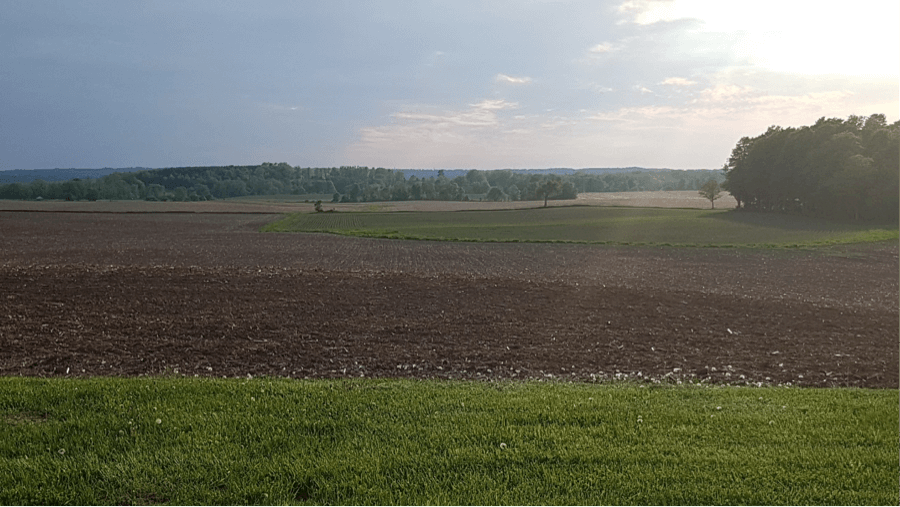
(589, 224)
(262, 441)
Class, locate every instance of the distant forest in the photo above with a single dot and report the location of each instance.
(841, 169)
(356, 184)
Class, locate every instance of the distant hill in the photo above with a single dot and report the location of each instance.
(453, 173)
(29, 175)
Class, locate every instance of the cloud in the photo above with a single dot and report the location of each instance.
(495, 104)
(485, 135)
(677, 81)
(274, 107)
(481, 114)
(696, 132)
(602, 48)
(646, 12)
(790, 41)
(418, 127)
(503, 78)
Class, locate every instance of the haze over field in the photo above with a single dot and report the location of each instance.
(469, 84)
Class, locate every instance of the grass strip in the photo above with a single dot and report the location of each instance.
(594, 225)
(274, 441)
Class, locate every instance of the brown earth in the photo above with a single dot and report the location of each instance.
(206, 294)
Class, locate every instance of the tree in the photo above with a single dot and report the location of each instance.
(834, 168)
(496, 194)
(180, 193)
(712, 191)
(513, 192)
(547, 188)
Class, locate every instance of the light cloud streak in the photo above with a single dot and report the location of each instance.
(677, 81)
(503, 78)
(602, 48)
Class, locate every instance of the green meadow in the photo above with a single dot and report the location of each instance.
(274, 441)
(592, 224)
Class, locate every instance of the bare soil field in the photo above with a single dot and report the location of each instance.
(206, 294)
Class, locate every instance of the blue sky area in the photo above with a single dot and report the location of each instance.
(427, 84)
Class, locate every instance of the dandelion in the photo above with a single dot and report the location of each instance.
(502, 445)
(159, 421)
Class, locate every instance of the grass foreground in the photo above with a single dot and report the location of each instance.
(273, 441)
(593, 224)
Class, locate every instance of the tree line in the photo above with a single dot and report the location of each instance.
(839, 169)
(350, 184)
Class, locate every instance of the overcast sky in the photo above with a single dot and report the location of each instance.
(429, 84)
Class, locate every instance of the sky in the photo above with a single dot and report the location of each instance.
(430, 84)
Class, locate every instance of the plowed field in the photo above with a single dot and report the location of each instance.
(206, 294)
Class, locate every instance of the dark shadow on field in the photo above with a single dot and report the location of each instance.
(785, 221)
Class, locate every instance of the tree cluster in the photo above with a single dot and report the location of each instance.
(840, 169)
(351, 184)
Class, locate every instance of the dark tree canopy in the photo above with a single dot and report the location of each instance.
(843, 169)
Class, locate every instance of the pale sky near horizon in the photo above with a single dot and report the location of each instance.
(430, 84)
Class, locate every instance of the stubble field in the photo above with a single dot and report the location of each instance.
(99, 294)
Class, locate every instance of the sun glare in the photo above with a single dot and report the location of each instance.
(859, 39)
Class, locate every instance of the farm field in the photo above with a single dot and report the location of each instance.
(113, 294)
(191, 441)
(591, 224)
(293, 203)
(179, 295)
